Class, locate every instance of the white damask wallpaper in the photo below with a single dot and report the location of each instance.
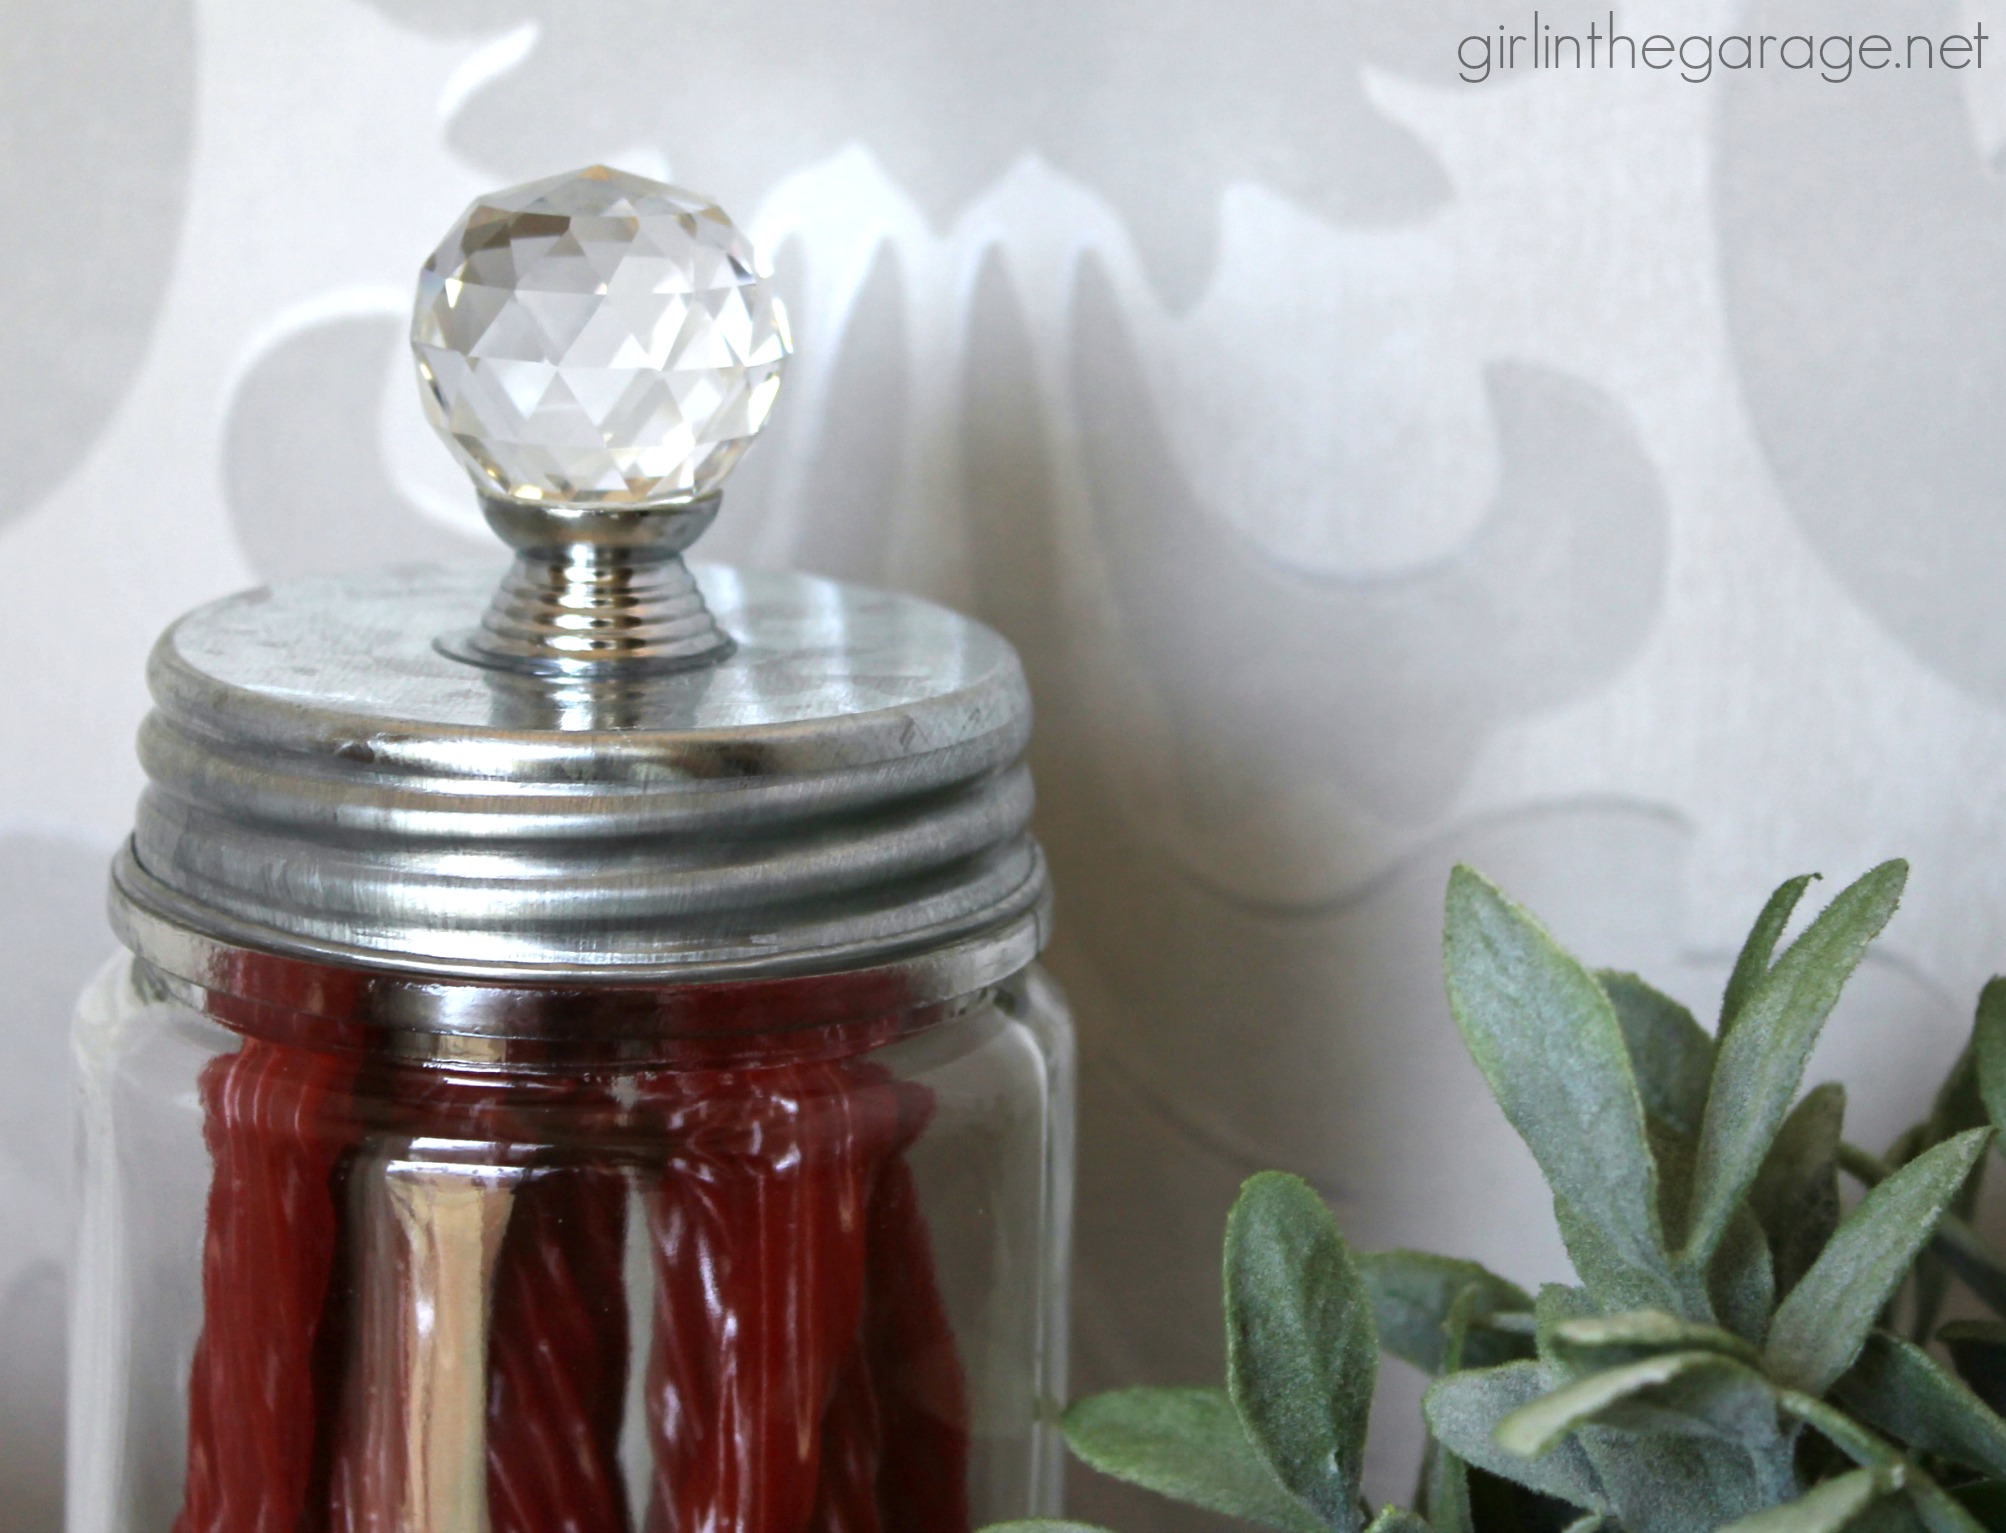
(1597, 476)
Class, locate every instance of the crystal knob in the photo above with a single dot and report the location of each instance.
(597, 349)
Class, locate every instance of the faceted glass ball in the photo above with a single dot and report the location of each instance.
(597, 339)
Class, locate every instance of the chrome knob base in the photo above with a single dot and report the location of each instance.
(597, 591)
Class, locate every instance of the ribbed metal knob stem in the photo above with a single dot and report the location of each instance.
(598, 591)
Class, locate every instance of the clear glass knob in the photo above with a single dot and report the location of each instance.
(597, 349)
(597, 339)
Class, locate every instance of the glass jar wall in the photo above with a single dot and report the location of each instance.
(781, 1267)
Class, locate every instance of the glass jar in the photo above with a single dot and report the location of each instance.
(579, 1063)
(750, 1275)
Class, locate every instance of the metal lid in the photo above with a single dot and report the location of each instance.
(847, 786)
(610, 769)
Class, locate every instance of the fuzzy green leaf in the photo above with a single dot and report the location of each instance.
(1760, 1063)
(1606, 1341)
(1044, 1525)
(1841, 1430)
(1989, 1034)
(1824, 1508)
(1445, 1489)
(1412, 1295)
(1820, 1327)
(1189, 1445)
(1904, 1392)
(1939, 1511)
(1606, 1272)
(1956, 1242)
(1959, 1102)
(1463, 1410)
(1557, 1305)
(1753, 961)
(1701, 1448)
(1959, 1105)
(1978, 1351)
(1662, 1483)
(1445, 1479)
(1965, 1252)
(1548, 1042)
(1684, 1456)
(1301, 1348)
(1796, 1193)
(1741, 1285)
(1727, 1402)
(1933, 1506)
(1670, 1053)
(1536, 1428)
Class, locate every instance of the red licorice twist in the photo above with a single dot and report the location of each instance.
(277, 1123)
(759, 1230)
(803, 1366)
(803, 1376)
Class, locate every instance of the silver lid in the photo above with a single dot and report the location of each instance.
(846, 788)
(610, 768)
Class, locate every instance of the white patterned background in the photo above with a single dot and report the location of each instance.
(1597, 477)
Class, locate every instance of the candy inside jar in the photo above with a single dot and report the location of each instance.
(688, 1291)
(579, 1064)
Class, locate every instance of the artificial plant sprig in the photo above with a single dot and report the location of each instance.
(1730, 1356)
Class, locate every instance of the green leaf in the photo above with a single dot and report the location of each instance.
(1700, 1448)
(1989, 1034)
(1445, 1479)
(1044, 1525)
(1556, 1305)
(1820, 1327)
(1412, 1294)
(1604, 1341)
(1959, 1105)
(1965, 1252)
(1796, 1193)
(1753, 961)
(1548, 1042)
(1761, 1061)
(1841, 1430)
(1956, 1242)
(1606, 1272)
(1978, 1351)
(1463, 1411)
(1536, 1428)
(1741, 1285)
(1824, 1508)
(1726, 1401)
(1903, 1391)
(1670, 1053)
(1661, 1483)
(1186, 1444)
(1301, 1348)
(1937, 1510)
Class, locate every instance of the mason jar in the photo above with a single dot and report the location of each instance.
(578, 1062)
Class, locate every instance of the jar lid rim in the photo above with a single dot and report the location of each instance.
(509, 1001)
